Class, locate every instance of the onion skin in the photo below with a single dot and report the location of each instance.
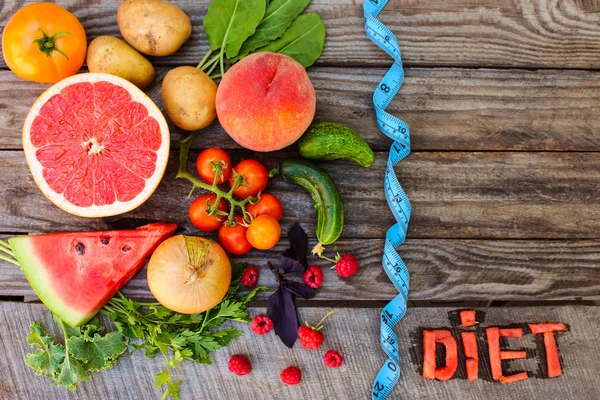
(189, 274)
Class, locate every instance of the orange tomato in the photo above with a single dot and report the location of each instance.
(264, 232)
(43, 42)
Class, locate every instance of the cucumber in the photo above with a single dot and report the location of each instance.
(325, 195)
(333, 141)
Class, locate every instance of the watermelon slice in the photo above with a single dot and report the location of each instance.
(76, 273)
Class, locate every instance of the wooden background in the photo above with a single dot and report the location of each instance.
(503, 99)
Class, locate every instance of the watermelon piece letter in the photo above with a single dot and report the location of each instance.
(76, 273)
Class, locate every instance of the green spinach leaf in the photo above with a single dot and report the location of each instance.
(228, 23)
(279, 16)
(303, 41)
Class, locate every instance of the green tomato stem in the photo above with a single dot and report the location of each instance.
(184, 149)
(47, 44)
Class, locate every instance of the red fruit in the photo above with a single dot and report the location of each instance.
(250, 276)
(310, 338)
(261, 324)
(291, 376)
(333, 359)
(240, 365)
(313, 276)
(346, 265)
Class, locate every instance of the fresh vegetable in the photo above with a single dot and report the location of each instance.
(75, 274)
(255, 176)
(189, 274)
(111, 55)
(267, 204)
(189, 96)
(236, 29)
(153, 27)
(43, 42)
(552, 358)
(239, 180)
(521, 376)
(281, 306)
(325, 195)
(303, 41)
(115, 158)
(233, 238)
(278, 17)
(333, 141)
(469, 341)
(266, 101)
(180, 337)
(264, 232)
(228, 23)
(206, 217)
(214, 162)
(85, 349)
(468, 318)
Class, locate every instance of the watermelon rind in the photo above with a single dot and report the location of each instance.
(37, 277)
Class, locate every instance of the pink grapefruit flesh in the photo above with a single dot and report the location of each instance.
(96, 145)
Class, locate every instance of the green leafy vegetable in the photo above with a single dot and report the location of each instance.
(228, 23)
(279, 16)
(187, 337)
(303, 41)
(86, 349)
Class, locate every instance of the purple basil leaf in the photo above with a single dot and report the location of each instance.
(291, 266)
(299, 241)
(300, 289)
(281, 308)
(275, 270)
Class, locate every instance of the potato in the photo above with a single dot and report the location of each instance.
(189, 97)
(113, 56)
(153, 27)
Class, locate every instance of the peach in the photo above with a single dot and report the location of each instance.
(266, 102)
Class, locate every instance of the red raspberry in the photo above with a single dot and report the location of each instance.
(333, 359)
(313, 276)
(310, 338)
(240, 365)
(291, 376)
(250, 276)
(346, 265)
(261, 324)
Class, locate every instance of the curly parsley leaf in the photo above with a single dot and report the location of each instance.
(86, 349)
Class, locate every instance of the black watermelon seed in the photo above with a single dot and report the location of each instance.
(126, 248)
(80, 248)
(104, 240)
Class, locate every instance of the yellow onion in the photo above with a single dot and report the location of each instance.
(189, 274)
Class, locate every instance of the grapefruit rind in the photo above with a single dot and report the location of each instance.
(117, 207)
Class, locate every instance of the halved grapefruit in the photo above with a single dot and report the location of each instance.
(96, 145)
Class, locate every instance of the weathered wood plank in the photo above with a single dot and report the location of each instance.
(454, 195)
(447, 109)
(521, 33)
(354, 332)
(441, 270)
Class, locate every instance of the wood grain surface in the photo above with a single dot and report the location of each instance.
(448, 109)
(489, 33)
(441, 270)
(466, 195)
(353, 332)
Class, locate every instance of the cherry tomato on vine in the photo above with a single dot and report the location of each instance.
(200, 217)
(43, 42)
(206, 169)
(264, 232)
(256, 176)
(233, 238)
(268, 204)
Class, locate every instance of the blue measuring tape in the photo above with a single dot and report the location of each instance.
(397, 130)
